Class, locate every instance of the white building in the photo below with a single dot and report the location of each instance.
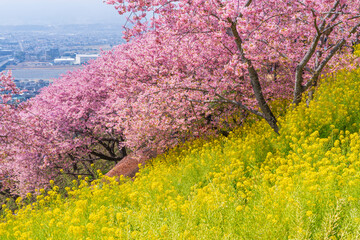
(83, 58)
(64, 61)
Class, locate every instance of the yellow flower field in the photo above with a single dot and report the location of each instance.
(255, 184)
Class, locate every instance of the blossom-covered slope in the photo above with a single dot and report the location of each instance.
(255, 184)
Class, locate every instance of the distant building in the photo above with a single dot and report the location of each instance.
(6, 53)
(83, 58)
(68, 54)
(52, 54)
(64, 61)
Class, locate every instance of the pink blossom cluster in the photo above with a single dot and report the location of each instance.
(138, 95)
(298, 39)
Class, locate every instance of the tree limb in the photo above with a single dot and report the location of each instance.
(319, 69)
(102, 156)
(248, 3)
(254, 80)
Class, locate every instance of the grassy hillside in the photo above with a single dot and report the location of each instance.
(301, 184)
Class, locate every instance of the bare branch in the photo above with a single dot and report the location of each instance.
(354, 29)
(307, 58)
(241, 105)
(280, 53)
(193, 89)
(225, 100)
(102, 156)
(278, 15)
(331, 27)
(355, 17)
(248, 3)
(323, 64)
(315, 22)
(308, 69)
(332, 11)
(227, 49)
(301, 3)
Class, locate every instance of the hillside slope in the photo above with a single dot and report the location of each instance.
(301, 184)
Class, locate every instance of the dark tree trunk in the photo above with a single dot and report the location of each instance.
(255, 83)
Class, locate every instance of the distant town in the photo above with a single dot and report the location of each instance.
(38, 54)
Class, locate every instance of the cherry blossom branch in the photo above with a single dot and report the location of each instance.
(247, 4)
(319, 69)
(225, 100)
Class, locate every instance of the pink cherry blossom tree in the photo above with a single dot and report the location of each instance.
(301, 39)
(8, 130)
(58, 129)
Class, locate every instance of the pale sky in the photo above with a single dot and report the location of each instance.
(57, 12)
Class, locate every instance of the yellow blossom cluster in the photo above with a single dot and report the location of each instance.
(254, 184)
